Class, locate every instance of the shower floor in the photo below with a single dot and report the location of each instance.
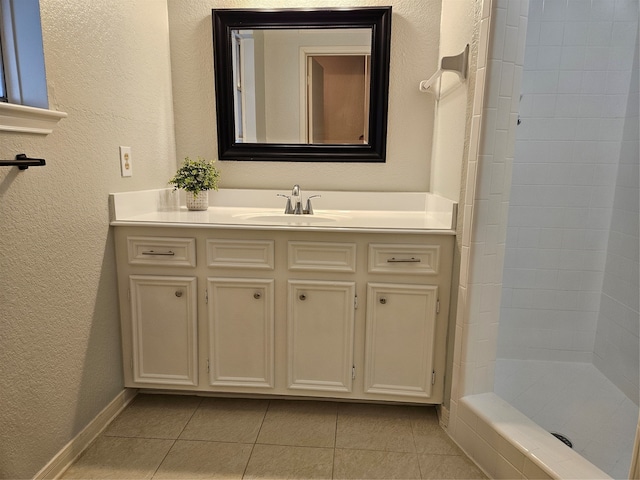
(579, 402)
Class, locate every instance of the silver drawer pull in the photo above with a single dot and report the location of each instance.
(178, 293)
(257, 295)
(403, 260)
(302, 297)
(166, 254)
(383, 300)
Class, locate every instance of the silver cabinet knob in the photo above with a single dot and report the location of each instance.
(302, 297)
(257, 295)
(178, 293)
(383, 300)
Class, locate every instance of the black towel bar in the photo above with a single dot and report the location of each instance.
(23, 162)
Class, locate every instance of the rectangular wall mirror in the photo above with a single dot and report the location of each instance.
(302, 85)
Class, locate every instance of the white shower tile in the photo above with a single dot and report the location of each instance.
(615, 106)
(551, 33)
(597, 58)
(569, 81)
(593, 82)
(507, 80)
(531, 57)
(573, 58)
(576, 33)
(513, 13)
(620, 58)
(602, 9)
(599, 33)
(567, 105)
(510, 51)
(533, 33)
(578, 11)
(535, 10)
(587, 128)
(624, 34)
(549, 57)
(611, 131)
(625, 9)
(554, 11)
(498, 25)
(590, 108)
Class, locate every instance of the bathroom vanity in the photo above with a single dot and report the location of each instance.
(345, 303)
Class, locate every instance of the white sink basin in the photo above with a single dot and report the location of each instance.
(282, 218)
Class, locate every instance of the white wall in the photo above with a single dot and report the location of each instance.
(577, 72)
(108, 67)
(414, 56)
(459, 27)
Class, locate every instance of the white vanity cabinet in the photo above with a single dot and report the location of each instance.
(401, 344)
(240, 325)
(240, 312)
(160, 310)
(334, 314)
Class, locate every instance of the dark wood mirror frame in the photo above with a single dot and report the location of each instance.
(376, 18)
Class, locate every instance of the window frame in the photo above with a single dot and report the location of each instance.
(27, 105)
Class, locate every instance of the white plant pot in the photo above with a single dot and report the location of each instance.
(199, 201)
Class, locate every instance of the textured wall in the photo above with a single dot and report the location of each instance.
(414, 56)
(108, 68)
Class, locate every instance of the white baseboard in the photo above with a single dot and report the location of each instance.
(61, 461)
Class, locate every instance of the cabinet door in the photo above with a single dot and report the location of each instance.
(241, 332)
(320, 325)
(164, 329)
(400, 334)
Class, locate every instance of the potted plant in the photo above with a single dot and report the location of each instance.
(196, 177)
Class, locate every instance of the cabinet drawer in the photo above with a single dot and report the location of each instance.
(251, 254)
(166, 251)
(322, 256)
(404, 258)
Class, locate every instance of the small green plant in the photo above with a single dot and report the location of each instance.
(196, 176)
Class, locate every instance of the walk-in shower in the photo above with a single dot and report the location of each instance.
(568, 337)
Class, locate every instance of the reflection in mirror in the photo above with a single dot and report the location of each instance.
(325, 71)
(302, 85)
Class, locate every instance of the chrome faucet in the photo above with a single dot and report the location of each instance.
(294, 202)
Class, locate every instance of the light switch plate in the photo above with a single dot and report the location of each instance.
(125, 162)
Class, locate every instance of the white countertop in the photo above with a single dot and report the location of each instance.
(401, 212)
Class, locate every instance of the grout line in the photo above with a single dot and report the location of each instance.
(255, 441)
(175, 440)
(335, 441)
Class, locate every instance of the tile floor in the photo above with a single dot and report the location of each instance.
(172, 436)
(576, 400)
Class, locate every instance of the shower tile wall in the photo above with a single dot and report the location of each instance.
(575, 91)
(616, 348)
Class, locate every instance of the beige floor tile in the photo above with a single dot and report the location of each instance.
(456, 467)
(374, 427)
(120, 457)
(430, 438)
(197, 459)
(154, 416)
(375, 464)
(299, 423)
(226, 420)
(284, 462)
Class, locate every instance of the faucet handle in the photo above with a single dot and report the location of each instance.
(288, 209)
(309, 209)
